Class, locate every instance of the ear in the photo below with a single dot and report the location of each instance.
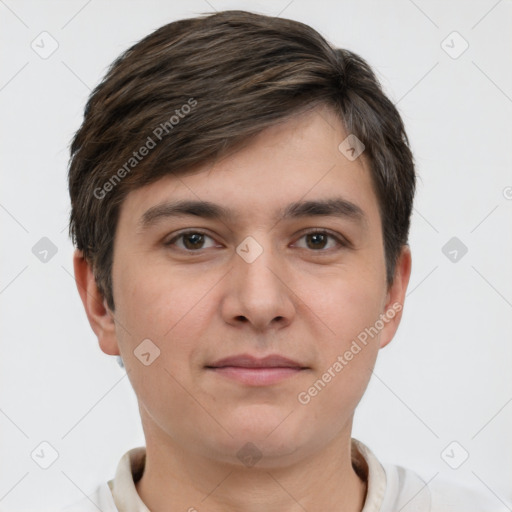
(99, 315)
(396, 296)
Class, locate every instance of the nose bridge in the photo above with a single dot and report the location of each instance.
(260, 289)
(257, 258)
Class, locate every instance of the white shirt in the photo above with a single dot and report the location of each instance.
(390, 488)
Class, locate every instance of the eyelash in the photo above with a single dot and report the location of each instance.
(340, 240)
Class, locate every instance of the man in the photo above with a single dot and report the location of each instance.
(241, 197)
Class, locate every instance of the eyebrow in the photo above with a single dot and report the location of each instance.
(333, 207)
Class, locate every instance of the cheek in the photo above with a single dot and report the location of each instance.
(154, 300)
(345, 363)
(165, 308)
(169, 308)
(347, 354)
(347, 304)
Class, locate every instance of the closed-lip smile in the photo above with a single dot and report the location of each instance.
(256, 371)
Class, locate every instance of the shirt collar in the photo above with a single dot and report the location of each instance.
(131, 467)
(129, 471)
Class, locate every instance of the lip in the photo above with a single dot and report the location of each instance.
(248, 361)
(255, 371)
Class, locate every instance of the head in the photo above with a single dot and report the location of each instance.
(185, 116)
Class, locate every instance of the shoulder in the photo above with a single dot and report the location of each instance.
(100, 499)
(408, 491)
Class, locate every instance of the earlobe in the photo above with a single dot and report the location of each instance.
(99, 315)
(396, 296)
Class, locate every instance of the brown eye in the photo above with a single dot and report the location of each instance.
(319, 240)
(316, 240)
(192, 240)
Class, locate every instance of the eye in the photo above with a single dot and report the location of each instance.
(317, 240)
(192, 240)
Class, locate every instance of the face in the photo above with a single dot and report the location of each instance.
(261, 320)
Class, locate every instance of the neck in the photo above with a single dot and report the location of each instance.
(177, 480)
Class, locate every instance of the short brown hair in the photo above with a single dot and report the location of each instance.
(197, 88)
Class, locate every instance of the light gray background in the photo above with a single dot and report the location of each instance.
(446, 375)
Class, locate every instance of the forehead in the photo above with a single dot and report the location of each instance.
(297, 160)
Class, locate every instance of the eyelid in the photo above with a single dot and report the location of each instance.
(187, 231)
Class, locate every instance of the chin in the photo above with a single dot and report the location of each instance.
(263, 436)
(262, 454)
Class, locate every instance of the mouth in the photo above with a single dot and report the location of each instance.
(254, 371)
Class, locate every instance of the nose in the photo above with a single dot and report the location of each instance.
(258, 293)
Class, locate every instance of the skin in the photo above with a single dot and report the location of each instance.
(301, 298)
